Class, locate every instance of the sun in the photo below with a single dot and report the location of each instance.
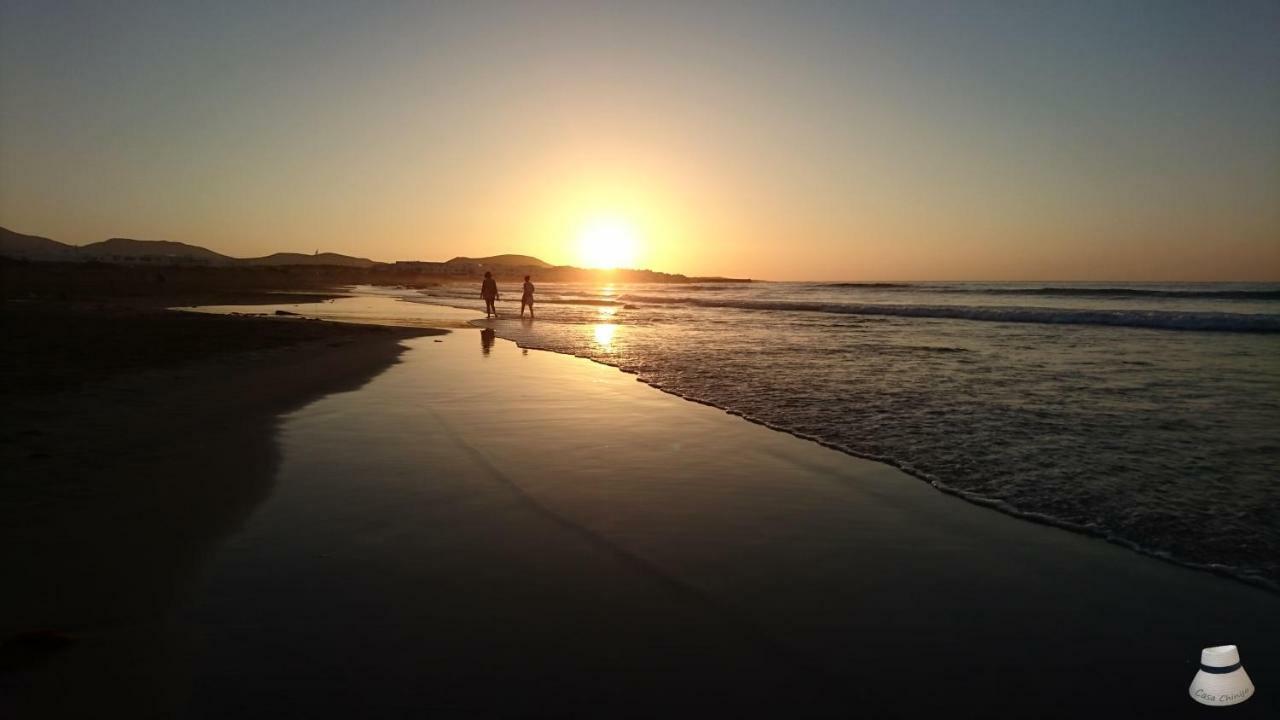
(607, 243)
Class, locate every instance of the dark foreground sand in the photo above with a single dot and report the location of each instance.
(483, 532)
(133, 439)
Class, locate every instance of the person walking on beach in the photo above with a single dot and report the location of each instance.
(527, 298)
(489, 291)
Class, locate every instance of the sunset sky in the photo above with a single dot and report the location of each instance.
(876, 141)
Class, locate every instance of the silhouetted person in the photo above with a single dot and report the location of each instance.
(489, 291)
(486, 340)
(527, 298)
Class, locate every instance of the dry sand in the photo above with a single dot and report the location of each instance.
(133, 440)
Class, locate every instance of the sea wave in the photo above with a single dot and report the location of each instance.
(872, 285)
(1065, 291)
(543, 300)
(1154, 319)
(1118, 292)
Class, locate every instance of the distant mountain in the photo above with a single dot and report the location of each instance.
(33, 247)
(317, 259)
(126, 251)
(157, 251)
(503, 260)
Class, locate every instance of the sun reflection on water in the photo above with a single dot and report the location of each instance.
(604, 335)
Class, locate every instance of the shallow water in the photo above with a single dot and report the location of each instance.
(1143, 413)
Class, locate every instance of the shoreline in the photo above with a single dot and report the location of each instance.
(1001, 506)
(1224, 571)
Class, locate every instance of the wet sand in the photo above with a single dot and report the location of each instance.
(367, 305)
(480, 531)
(525, 534)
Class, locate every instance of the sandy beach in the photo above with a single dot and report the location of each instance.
(134, 439)
(481, 531)
(640, 360)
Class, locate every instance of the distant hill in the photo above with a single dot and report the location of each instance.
(33, 247)
(156, 252)
(129, 250)
(503, 260)
(126, 251)
(317, 259)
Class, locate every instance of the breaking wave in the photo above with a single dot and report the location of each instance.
(1116, 292)
(1154, 319)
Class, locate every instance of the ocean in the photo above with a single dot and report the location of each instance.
(1145, 414)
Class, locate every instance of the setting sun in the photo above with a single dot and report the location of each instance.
(607, 243)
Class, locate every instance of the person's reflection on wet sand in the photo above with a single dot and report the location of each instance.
(486, 340)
